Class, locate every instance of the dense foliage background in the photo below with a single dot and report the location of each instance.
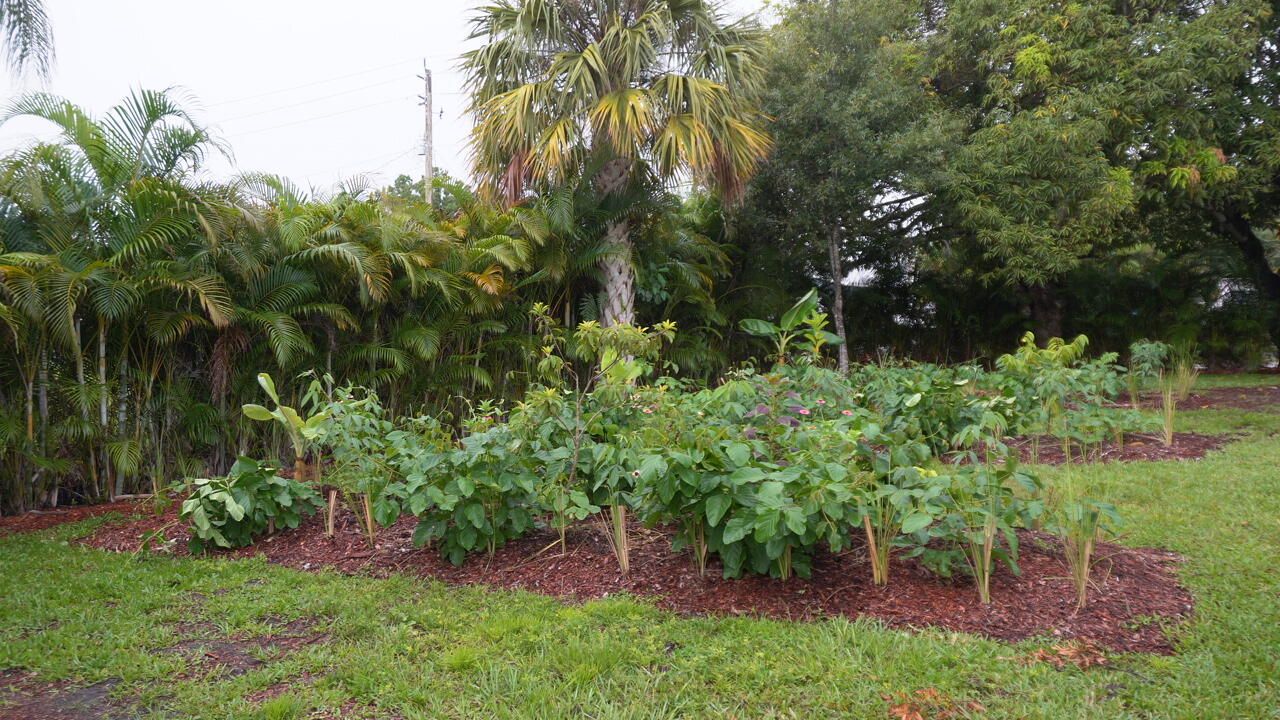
(950, 174)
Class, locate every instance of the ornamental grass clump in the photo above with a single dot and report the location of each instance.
(1168, 406)
(1186, 371)
(1080, 521)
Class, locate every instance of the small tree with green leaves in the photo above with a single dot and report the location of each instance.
(801, 322)
(302, 432)
(616, 356)
(1147, 359)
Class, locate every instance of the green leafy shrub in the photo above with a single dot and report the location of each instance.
(475, 496)
(229, 512)
(359, 441)
(754, 473)
(984, 504)
(928, 403)
(1147, 360)
(569, 424)
(902, 502)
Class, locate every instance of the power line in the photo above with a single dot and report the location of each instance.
(321, 117)
(392, 156)
(383, 165)
(277, 91)
(312, 100)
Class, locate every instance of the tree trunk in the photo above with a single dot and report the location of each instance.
(1237, 228)
(44, 401)
(107, 467)
(80, 379)
(30, 392)
(122, 413)
(1046, 312)
(618, 277)
(837, 298)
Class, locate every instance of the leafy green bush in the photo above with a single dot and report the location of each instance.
(903, 501)
(982, 506)
(1147, 359)
(230, 511)
(359, 441)
(753, 472)
(931, 404)
(475, 496)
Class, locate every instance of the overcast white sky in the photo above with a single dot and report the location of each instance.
(317, 90)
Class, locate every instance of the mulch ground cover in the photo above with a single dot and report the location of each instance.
(41, 519)
(1137, 447)
(1262, 398)
(1136, 595)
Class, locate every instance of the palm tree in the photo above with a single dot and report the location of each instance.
(112, 213)
(27, 37)
(606, 93)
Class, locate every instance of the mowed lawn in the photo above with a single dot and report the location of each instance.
(326, 645)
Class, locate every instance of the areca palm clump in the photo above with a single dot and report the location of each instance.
(139, 304)
(102, 246)
(609, 97)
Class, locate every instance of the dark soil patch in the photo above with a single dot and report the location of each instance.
(42, 519)
(1136, 448)
(1137, 591)
(1263, 398)
(276, 690)
(23, 696)
(237, 655)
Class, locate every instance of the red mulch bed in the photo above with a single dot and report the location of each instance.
(1263, 398)
(1136, 448)
(1133, 585)
(41, 519)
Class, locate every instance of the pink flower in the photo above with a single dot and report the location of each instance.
(648, 411)
(821, 401)
(846, 412)
(804, 411)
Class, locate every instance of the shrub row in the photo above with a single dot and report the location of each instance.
(757, 472)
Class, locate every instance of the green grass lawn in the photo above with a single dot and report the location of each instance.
(401, 647)
(1237, 380)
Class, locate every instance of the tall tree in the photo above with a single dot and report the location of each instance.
(604, 94)
(1211, 163)
(1067, 102)
(857, 137)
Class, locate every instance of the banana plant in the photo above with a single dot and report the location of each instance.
(302, 432)
(802, 321)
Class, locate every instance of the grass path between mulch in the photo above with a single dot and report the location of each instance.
(212, 638)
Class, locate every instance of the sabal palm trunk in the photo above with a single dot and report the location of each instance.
(618, 277)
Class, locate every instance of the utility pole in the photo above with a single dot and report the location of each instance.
(428, 174)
